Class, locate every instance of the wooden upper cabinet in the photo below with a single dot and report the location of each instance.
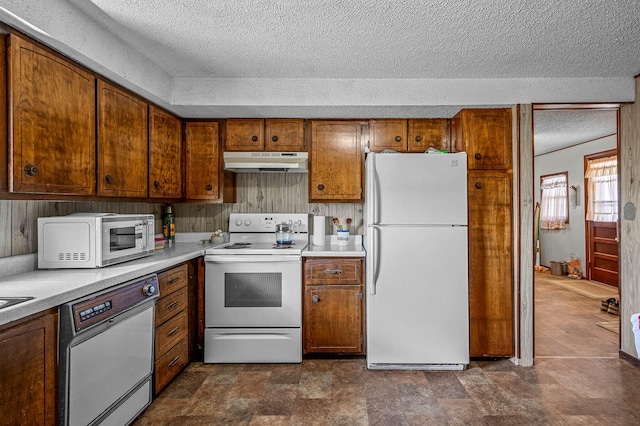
(485, 134)
(337, 162)
(284, 135)
(123, 151)
(52, 128)
(202, 161)
(165, 154)
(387, 134)
(428, 133)
(244, 134)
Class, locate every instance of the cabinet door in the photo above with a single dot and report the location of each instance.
(336, 173)
(244, 135)
(123, 151)
(52, 128)
(487, 133)
(491, 301)
(428, 133)
(165, 154)
(333, 318)
(387, 134)
(283, 134)
(28, 353)
(202, 161)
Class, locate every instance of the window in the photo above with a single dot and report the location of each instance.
(602, 196)
(554, 202)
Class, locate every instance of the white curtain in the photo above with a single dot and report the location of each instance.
(554, 210)
(602, 175)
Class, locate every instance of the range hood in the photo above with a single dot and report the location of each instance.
(274, 162)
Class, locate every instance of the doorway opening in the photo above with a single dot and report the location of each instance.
(568, 316)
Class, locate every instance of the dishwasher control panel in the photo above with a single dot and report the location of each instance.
(102, 306)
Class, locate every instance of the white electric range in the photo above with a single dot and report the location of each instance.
(253, 291)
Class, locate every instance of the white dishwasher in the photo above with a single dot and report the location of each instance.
(106, 355)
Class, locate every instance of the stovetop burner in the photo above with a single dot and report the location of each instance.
(238, 245)
(283, 245)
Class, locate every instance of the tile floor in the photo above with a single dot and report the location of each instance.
(577, 379)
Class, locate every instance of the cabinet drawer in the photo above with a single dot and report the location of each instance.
(171, 364)
(172, 280)
(333, 271)
(171, 332)
(170, 305)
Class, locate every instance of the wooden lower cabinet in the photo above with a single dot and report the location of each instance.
(28, 352)
(491, 294)
(333, 319)
(172, 325)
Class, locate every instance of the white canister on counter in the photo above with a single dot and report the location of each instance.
(319, 232)
(343, 237)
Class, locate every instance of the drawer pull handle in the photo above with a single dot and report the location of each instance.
(315, 298)
(173, 304)
(174, 331)
(174, 361)
(333, 271)
(174, 280)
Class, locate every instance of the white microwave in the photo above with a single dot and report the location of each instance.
(93, 240)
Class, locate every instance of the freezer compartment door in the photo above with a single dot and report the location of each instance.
(418, 313)
(416, 189)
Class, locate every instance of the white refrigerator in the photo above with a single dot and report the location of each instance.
(417, 261)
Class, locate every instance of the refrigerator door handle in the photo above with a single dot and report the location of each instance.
(375, 245)
(373, 193)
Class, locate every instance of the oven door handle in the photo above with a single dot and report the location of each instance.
(267, 258)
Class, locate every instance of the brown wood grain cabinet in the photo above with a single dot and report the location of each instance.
(485, 134)
(491, 287)
(123, 150)
(387, 134)
(28, 353)
(172, 325)
(333, 306)
(52, 122)
(165, 154)
(204, 178)
(284, 134)
(337, 162)
(244, 134)
(272, 134)
(428, 133)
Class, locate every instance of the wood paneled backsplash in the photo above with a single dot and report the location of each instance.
(257, 192)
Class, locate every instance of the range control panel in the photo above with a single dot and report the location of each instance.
(266, 222)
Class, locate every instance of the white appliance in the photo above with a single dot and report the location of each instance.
(263, 161)
(93, 240)
(106, 355)
(416, 244)
(253, 291)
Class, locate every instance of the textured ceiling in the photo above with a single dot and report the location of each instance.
(211, 58)
(557, 129)
(379, 38)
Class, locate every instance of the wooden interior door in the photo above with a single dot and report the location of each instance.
(603, 253)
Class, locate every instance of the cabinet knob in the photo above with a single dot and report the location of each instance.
(108, 179)
(320, 187)
(208, 187)
(477, 156)
(398, 138)
(156, 184)
(418, 138)
(30, 170)
(315, 298)
(254, 138)
(274, 138)
(478, 185)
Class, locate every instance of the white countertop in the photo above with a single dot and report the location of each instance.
(332, 249)
(54, 287)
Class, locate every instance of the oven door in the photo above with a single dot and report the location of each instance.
(253, 291)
